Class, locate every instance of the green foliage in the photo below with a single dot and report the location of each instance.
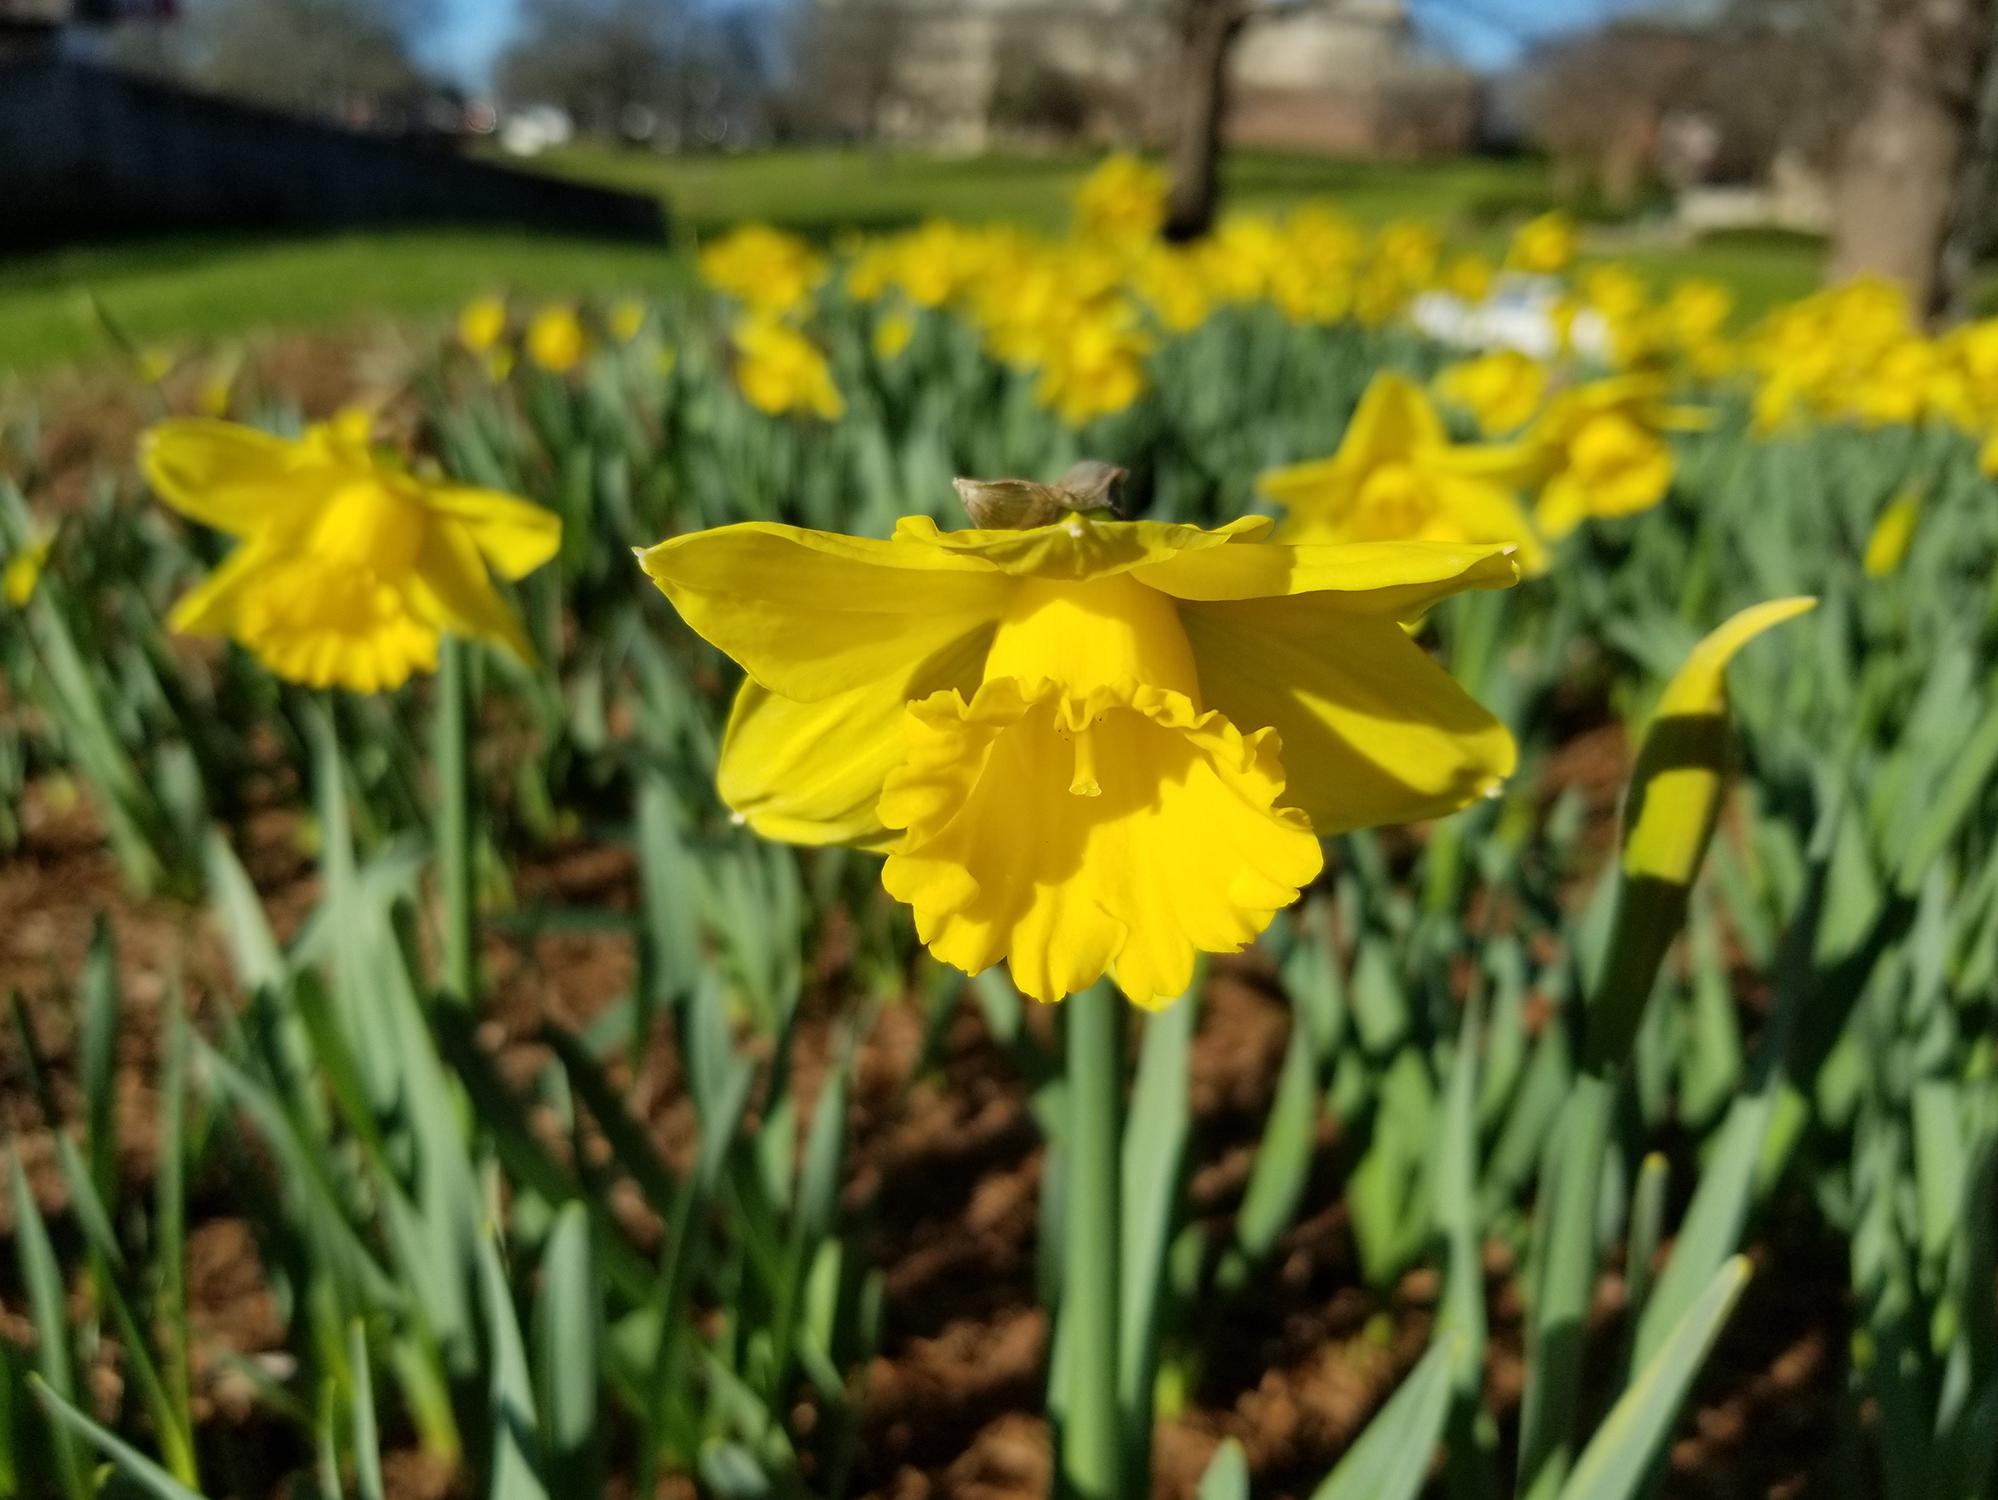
(487, 1250)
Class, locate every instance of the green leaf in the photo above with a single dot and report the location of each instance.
(1283, 1156)
(148, 1476)
(98, 1060)
(514, 1465)
(367, 1440)
(1154, 1159)
(1620, 1456)
(1227, 1476)
(49, 1311)
(1563, 1279)
(568, 1331)
(1391, 1458)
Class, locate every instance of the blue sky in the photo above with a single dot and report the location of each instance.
(1484, 33)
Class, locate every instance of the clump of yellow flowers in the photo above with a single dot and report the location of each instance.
(1124, 198)
(770, 272)
(350, 567)
(780, 370)
(1091, 745)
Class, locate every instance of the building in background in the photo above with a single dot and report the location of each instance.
(1340, 76)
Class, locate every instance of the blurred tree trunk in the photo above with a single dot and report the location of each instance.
(1972, 217)
(1907, 145)
(1207, 32)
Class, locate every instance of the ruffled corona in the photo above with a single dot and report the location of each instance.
(1118, 832)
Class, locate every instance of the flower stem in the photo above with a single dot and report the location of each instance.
(1090, 1456)
(454, 819)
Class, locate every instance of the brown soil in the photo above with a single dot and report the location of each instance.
(944, 1178)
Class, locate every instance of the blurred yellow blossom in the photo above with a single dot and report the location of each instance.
(765, 269)
(1122, 199)
(1469, 277)
(349, 567)
(1544, 246)
(482, 323)
(1887, 544)
(1501, 390)
(1603, 450)
(555, 339)
(1095, 367)
(23, 573)
(627, 319)
(218, 387)
(156, 362)
(780, 370)
(1397, 476)
(892, 335)
(1066, 738)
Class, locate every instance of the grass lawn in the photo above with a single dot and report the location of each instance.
(225, 286)
(823, 191)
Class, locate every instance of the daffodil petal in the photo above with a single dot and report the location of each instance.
(809, 613)
(1393, 420)
(1120, 833)
(1373, 731)
(1078, 546)
(1399, 579)
(1490, 512)
(515, 536)
(451, 588)
(233, 478)
(211, 606)
(812, 773)
(1298, 487)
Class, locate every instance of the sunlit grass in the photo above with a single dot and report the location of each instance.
(221, 286)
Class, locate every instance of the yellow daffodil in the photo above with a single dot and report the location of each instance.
(156, 362)
(1603, 451)
(627, 319)
(780, 370)
(1544, 246)
(1123, 199)
(1887, 544)
(892, 335)
(1094, 368)
(1090, 746)
(555, 339)
(1468, 277)
(23, 572)
(218, 388)
(482, 324)
(1693, 320)
(767, 270)
(1823, 356)
(1170, 282)
(349, 567)
(1501, 390)
(1397, 476)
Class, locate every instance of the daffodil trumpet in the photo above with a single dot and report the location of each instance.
(1089, 746)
